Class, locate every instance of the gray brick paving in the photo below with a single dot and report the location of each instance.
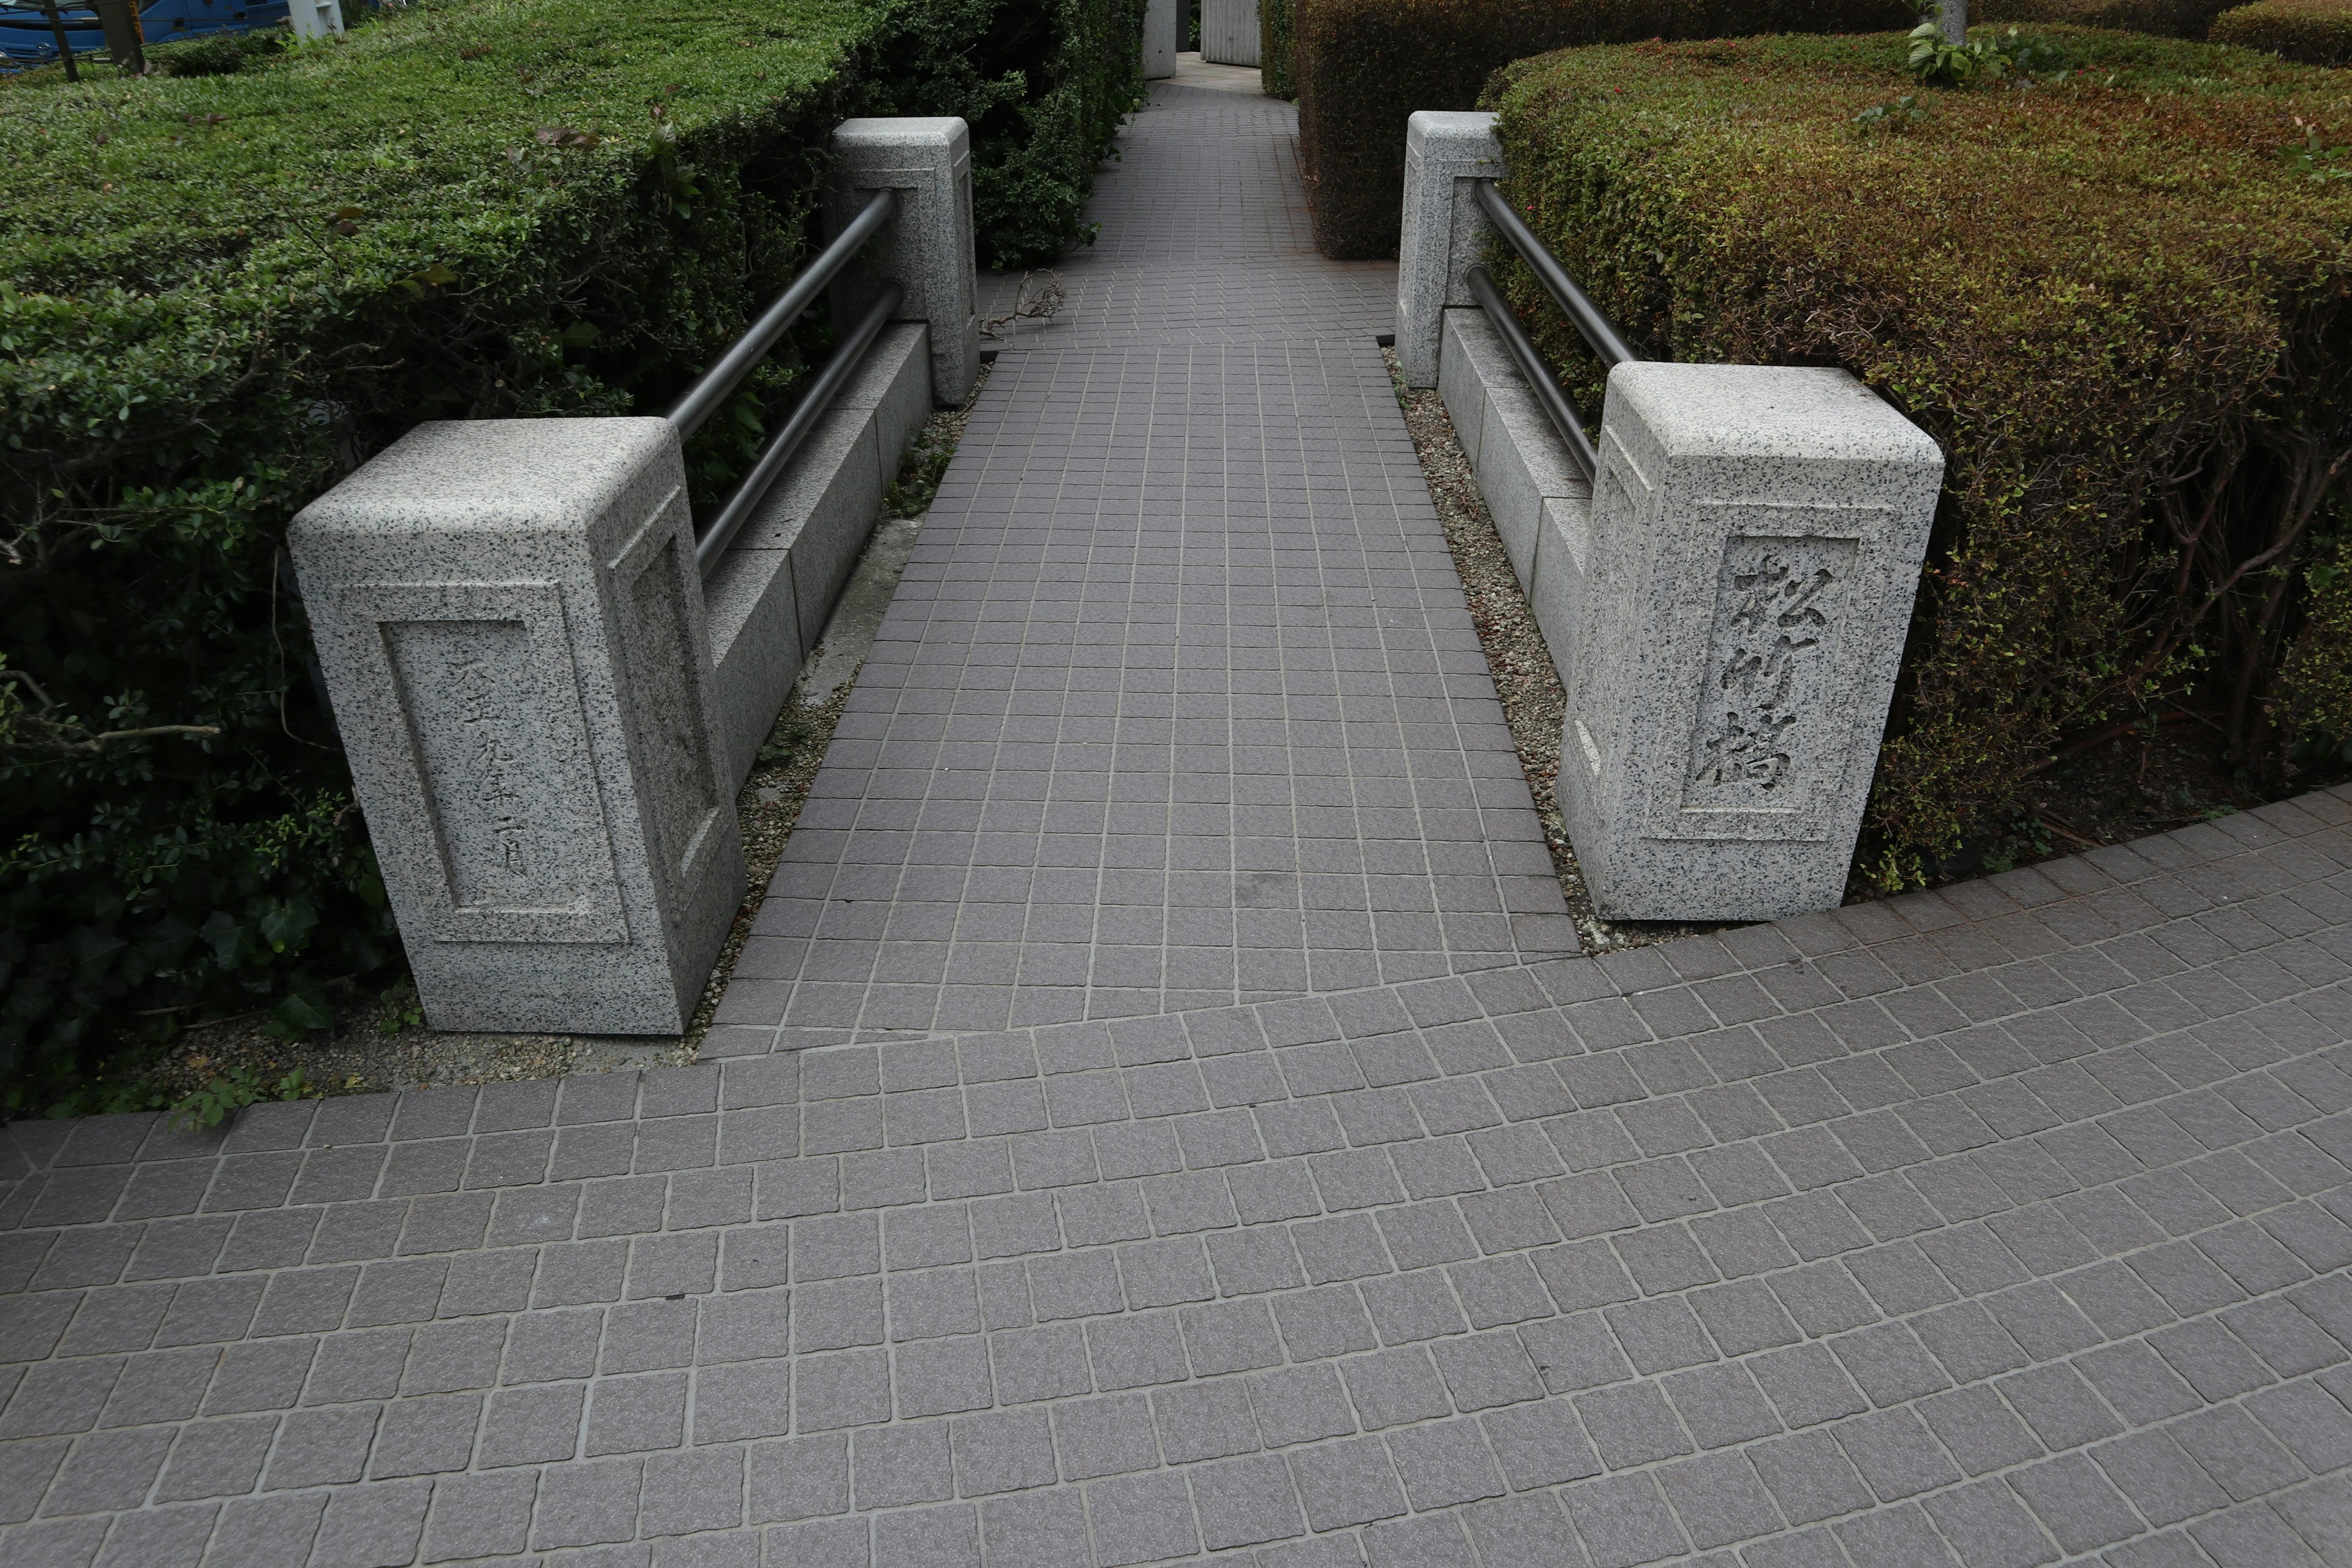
(1179, 703)
(2009, 1224)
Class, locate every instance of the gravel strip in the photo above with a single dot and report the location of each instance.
(1534, 705)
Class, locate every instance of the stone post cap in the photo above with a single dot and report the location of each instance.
(927, 246)
(1444, 233)
(510, 625)
(945, 130)
(1817, 414)
(501, 476)
(1452, 128)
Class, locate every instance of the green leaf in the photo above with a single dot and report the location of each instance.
(288, 922)
(303, 1010)
(226, 936)
(219, 1100)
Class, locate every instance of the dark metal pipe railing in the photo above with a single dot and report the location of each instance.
(848, 353)
(703, 398)
(1538, 375)
(719, 383)
(1598, 330)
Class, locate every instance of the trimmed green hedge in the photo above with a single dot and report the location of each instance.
(224, 290)
(2313, 703)
(2165, 18)
(2315, 32)
(2119, 299)
(1364, 66)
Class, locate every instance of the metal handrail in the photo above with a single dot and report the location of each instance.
(1598, 330)
(703, 398)
(753, 488)
(1538, 375)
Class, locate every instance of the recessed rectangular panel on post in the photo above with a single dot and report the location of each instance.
(511, 628)
(1771, 721)
(490, 729)
(669, 709)
(1754, 547)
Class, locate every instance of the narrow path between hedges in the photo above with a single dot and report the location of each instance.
(1160, 1127)
(1179, 704)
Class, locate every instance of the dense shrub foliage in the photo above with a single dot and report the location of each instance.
(2317, 32)
(2165, 18)
(1363, 67)
(2117, 298)
(1043, 84)
(226, 287)
(1274, 22)
(2313, 706)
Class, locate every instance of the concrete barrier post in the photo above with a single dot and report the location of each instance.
(315, 19)
(511, 627)
(1160, 20)
(1754, 545)
(1230, 33)
(1444, 233)
(928, 247)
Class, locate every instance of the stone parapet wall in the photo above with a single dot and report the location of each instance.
(1725, 600)
(549, 710)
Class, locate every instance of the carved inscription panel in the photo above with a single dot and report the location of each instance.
(1769, 729)
(508, 838)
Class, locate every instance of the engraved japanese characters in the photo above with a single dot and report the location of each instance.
(1778, 606)
(1755, 541)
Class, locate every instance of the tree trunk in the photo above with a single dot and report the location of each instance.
(1954, 16)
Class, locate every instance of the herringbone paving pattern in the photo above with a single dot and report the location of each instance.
(2009, 1224)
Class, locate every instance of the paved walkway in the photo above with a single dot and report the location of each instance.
(1179, 703)
(2007, 1225)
